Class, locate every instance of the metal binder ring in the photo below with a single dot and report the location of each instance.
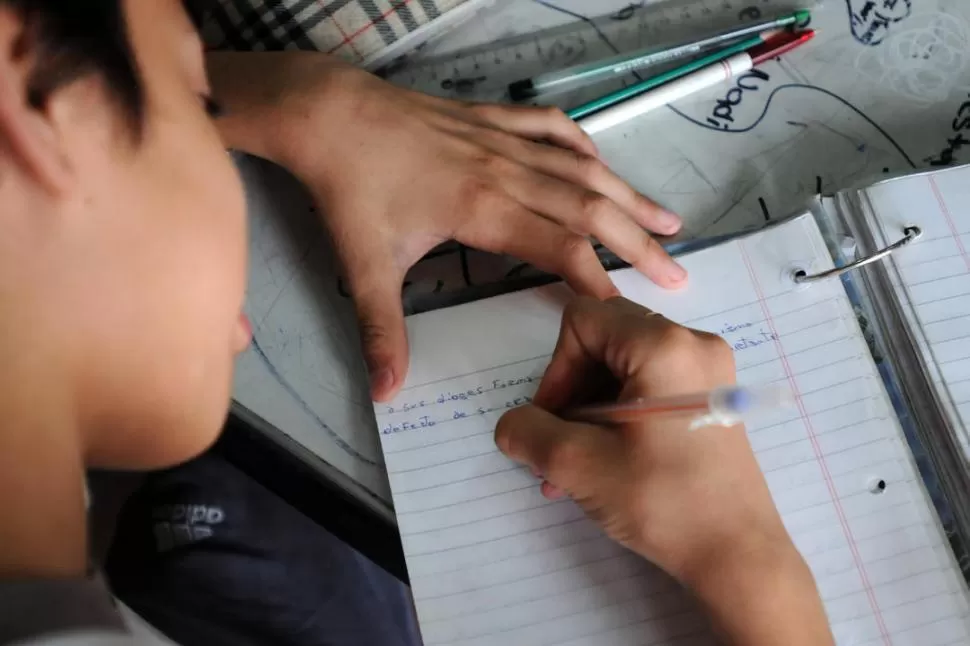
(912, 233)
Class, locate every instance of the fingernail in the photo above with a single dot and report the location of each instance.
(243, 334)
(381, 380)
(246, 324)
(676, 273)
(669, 222)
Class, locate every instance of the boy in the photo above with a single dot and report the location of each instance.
(122, 257)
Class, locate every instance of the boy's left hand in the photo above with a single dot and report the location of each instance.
(397, 172)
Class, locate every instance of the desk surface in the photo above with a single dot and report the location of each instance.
(836, 113)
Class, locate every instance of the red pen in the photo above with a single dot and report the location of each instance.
(696, 81)
(778, 45)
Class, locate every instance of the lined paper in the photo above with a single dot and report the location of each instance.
(492, 562)
(935, 272)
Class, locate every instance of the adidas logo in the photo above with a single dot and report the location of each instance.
(177, 525)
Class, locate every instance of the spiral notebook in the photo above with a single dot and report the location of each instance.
(493, 562)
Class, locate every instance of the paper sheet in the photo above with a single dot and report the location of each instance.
(935, 272)
(832, 114)
(492, 562)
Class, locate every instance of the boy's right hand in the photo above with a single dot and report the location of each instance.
(677, 497)
(693, 502)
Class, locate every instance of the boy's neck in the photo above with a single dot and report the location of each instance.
(42, 509)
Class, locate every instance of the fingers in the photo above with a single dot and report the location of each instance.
(589, 213)
(581, 193)
(551, 491)
(618, 334)
(592, 174)
(514, 230)
(376, 288)
(588, 172)
(545, 123)
(571, 186)
(567, 454)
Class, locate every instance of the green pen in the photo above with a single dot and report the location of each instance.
(596, 71)
(652, 82)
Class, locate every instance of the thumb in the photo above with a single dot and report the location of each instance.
(380, 314)
(569, 455)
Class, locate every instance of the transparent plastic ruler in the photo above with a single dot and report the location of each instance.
(483, 73)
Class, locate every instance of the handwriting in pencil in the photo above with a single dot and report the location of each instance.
(961, 123)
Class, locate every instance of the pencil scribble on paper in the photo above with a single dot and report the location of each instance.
(288, 387)
(926, 59)
(956, 143)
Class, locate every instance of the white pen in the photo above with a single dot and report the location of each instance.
(695, 82)
(625, 63)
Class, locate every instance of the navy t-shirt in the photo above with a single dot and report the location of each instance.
(209, 556)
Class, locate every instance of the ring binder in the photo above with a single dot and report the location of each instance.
(912, 234)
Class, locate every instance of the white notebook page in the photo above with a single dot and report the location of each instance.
(935, 271)
(492, 562)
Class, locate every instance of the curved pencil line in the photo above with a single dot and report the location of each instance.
(282, 381)
(786, 86)
(586, 19)
(764, 112)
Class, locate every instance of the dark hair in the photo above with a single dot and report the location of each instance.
(75, 38)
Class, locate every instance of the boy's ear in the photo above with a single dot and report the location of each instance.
(29, 136)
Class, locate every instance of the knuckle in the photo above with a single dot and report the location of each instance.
(589, 169)
(622, 301)
(678, 336)
(708, 353)
(558, 120)
(482, 110)
(476, 191)
(651, 245)
(576, 250)
(593, 208)
(495, 165)
(674, 343)
(372, 333)
(503, 432)
(717, 349)
(565, 456)
(575, 309)
(642, 499)
(488, 160)
(554, 113)
(569, 127)
(648, 247)
(643, 203)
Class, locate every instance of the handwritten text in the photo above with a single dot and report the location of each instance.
(409, 425)
(960, 124)
(462, 395)
(871, 19)
(734, 327)
(753, 341)
(426, 421)
(722, 116)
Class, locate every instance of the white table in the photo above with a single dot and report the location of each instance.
(835, 113)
